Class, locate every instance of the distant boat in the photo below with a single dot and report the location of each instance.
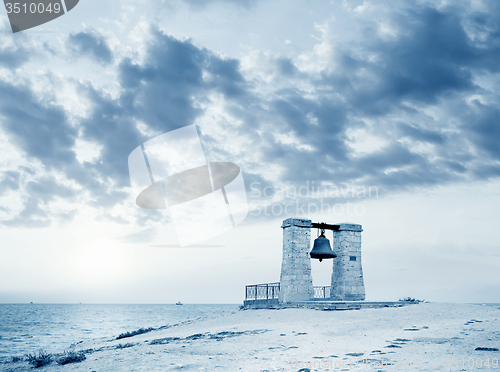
(179, 303)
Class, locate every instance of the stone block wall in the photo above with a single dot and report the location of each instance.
(296, 280)
(347, 276)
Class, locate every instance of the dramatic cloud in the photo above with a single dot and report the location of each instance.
(9, 181)
(13, 58)
(430, 63)
(404, 108)
(92, 44)
(39, 128)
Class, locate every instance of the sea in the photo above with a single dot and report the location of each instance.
(29, 328)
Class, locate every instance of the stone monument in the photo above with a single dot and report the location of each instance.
(347, 274)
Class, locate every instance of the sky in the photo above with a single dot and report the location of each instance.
(382, 113)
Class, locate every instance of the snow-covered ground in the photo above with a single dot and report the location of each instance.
(425, 337)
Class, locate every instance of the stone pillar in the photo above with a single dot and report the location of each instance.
(347, 275)
(296, 281)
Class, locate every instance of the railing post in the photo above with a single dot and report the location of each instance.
(272, 291)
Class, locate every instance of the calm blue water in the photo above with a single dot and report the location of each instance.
(26, 328)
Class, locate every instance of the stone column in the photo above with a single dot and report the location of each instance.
(347, 275)
(296, 281)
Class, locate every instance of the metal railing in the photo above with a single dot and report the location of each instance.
(322, 292)
(267, 291)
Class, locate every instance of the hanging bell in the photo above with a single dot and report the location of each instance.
(321, 248)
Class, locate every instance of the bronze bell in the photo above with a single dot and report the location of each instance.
(321, 248)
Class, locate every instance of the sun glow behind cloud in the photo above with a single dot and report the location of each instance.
(100, 264)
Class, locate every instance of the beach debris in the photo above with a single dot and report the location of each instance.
(16, 359)
(212, 336)
(124, 346)
(486, 349)
(412, 329)
(301, 334)
(39, 360)
(472, 321)
(91, 350)
(71, 357)
(411, 300)
(139, 331)
(165, 340)
(196, 336)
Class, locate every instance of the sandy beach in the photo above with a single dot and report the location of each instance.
(426, 336)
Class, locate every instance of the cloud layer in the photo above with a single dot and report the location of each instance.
(409, 102)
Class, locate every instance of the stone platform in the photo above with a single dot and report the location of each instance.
(322, 304)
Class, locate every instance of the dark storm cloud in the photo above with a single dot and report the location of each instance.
(90, 43)
(9, 180)
(484, 128)
(111, 125)
(161, 92)
(431, 57)
(286, 67)
(431, 60)
(13, 58)
(16, 50)
(39, 128)
(47, 188)
(393, 156)
(421, 134)
(42, 131)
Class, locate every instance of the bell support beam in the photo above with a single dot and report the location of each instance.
(325, 226)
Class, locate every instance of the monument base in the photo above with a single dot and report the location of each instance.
(322, 304)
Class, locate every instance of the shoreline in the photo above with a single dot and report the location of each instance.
(292, 339)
